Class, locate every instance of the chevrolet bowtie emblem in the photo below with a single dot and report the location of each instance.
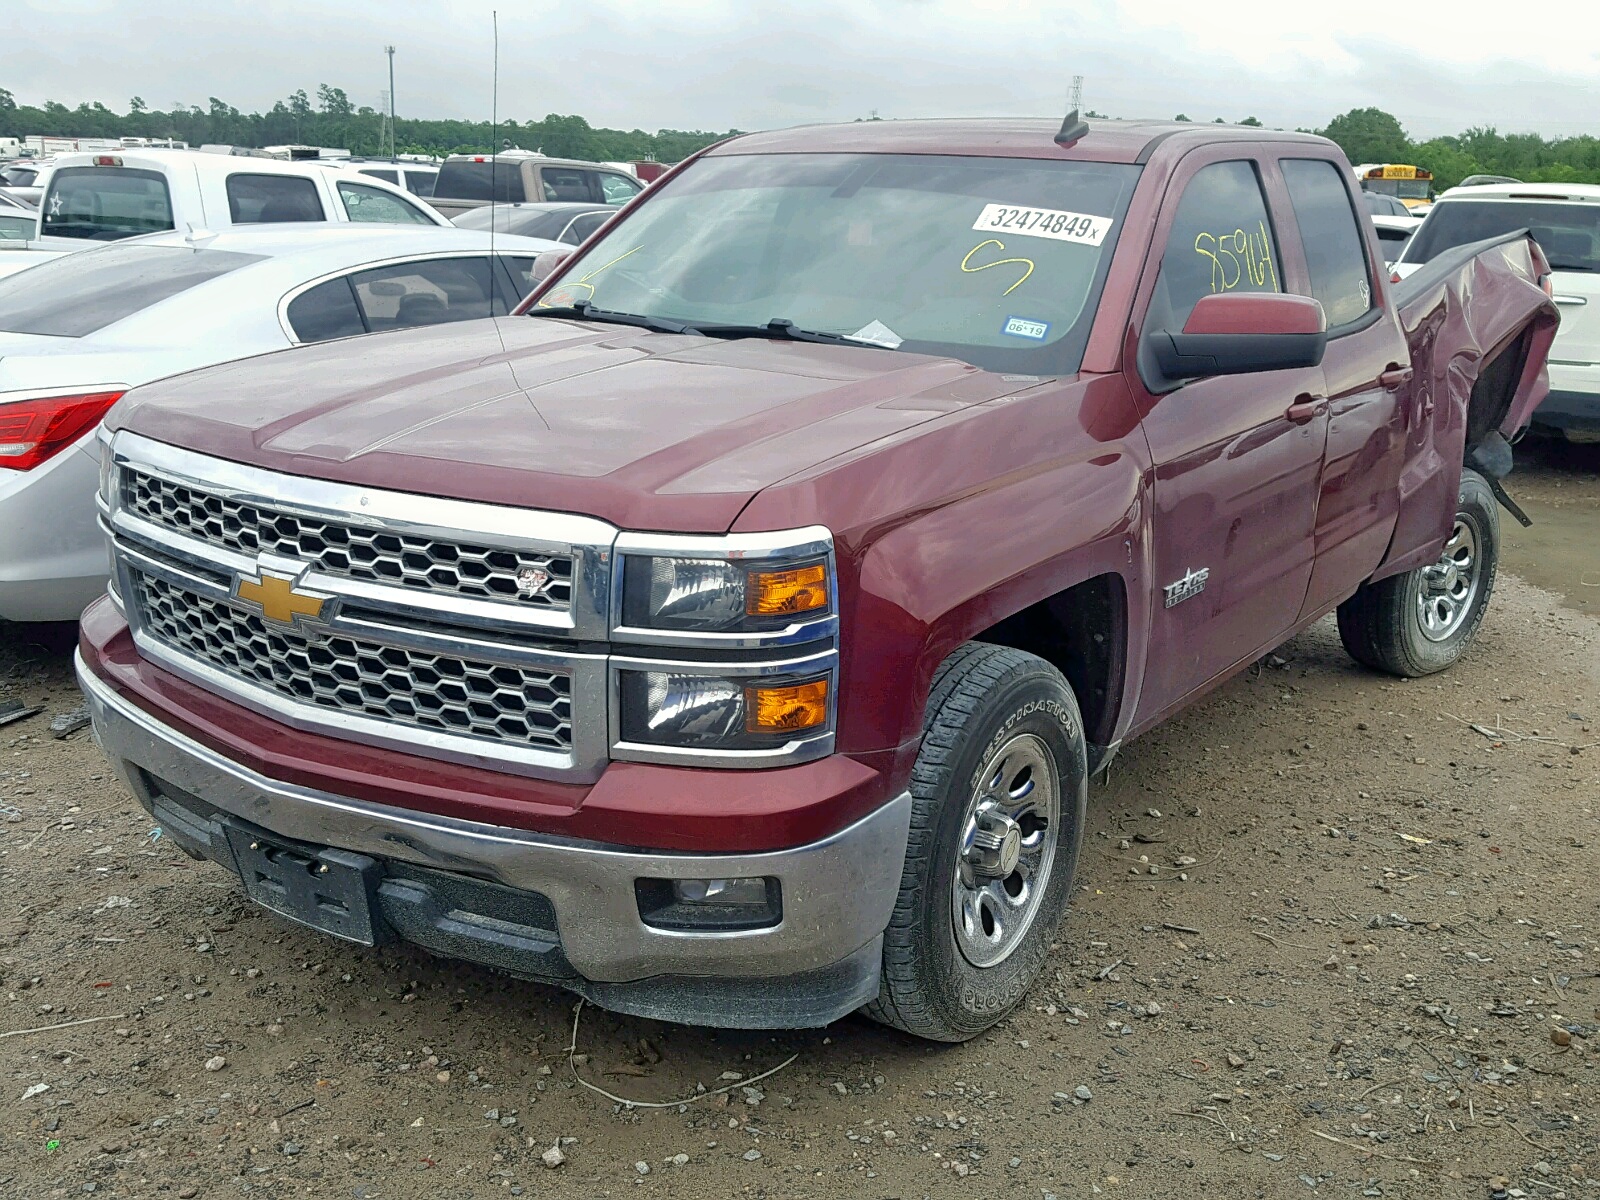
(277, 599)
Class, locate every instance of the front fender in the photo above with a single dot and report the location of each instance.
(942, 578)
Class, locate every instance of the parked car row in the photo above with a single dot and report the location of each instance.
(79, 331)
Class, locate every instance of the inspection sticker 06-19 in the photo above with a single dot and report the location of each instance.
(1024, 327)
(1051, 223)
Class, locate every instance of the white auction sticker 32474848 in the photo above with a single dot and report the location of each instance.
(1083, 228)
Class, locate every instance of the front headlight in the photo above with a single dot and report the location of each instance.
(713, 595)
(756, 586)
(723, 712)
(757, 617)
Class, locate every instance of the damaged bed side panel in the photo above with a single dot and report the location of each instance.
(1479, 326)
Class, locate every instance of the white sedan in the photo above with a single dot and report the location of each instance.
(79, 331)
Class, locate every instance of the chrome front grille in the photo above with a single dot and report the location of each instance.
(448, 693)
(457, 630)
(350, 550)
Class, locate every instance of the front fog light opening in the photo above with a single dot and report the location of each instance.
(689, 905)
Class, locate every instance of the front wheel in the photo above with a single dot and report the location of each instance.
(998, 792)
(1423, 621)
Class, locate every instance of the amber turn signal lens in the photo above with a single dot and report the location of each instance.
(786, 709)
(775, 593)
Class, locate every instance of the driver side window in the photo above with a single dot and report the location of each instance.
(1221, 241)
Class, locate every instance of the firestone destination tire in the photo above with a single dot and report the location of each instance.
(998, 790)
(1423, 621)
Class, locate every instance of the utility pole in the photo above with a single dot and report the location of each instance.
(1077, 94)
(389, 50)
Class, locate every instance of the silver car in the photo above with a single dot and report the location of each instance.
(79, 331)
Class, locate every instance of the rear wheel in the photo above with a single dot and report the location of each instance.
(1423, 621)
(998, 797)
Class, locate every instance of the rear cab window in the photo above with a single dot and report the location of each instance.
(1335, 251)
(480, 180)
(1568, 231)
(79, 294)
(106, 204)
(375, 206)
(16, 227)
(268, 199)
(382, 173)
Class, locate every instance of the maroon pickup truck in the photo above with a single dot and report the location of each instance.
(730, 636)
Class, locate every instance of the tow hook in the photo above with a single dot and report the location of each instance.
(1491, 458)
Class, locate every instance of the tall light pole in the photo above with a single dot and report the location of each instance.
(389, 50)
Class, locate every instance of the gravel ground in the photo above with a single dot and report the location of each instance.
(1374, 974)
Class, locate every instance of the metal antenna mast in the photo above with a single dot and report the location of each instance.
(389, 50)
(1076, 104)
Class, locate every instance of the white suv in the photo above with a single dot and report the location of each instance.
(95, 198)
(1564, 218)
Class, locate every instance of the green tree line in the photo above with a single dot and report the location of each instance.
(332, 119)
(1372, 135)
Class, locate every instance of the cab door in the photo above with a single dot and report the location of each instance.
(1367, 363)
(1236, 459)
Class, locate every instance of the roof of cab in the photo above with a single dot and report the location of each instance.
(997, 137)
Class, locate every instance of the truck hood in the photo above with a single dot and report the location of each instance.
(648, 431)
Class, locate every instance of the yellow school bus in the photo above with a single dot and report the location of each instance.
(1412, 186)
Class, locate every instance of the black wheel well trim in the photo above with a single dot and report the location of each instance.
(1082, 631)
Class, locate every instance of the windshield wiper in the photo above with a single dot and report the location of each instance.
(782, 327)
(585, 311)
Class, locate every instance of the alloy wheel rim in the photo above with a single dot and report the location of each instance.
(1007, 850)
(1450, 586)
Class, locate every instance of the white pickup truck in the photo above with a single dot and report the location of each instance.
(104, 197)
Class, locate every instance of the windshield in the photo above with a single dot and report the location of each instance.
(79, 294)
(995, 261)
(1567, 231)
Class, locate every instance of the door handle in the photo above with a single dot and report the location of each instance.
(1304, 408)
(1395, 377)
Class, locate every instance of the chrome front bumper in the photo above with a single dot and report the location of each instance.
(838, 893)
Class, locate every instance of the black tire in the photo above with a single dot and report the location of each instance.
(985, 699)
(1384, 625)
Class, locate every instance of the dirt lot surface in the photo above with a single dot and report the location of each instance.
(1377, 977)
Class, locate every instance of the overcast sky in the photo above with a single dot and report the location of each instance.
(1440, 65)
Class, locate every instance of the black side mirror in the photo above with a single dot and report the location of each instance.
(1243, 333)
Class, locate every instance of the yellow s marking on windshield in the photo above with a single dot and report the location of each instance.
(999, 262)
(564, 296)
